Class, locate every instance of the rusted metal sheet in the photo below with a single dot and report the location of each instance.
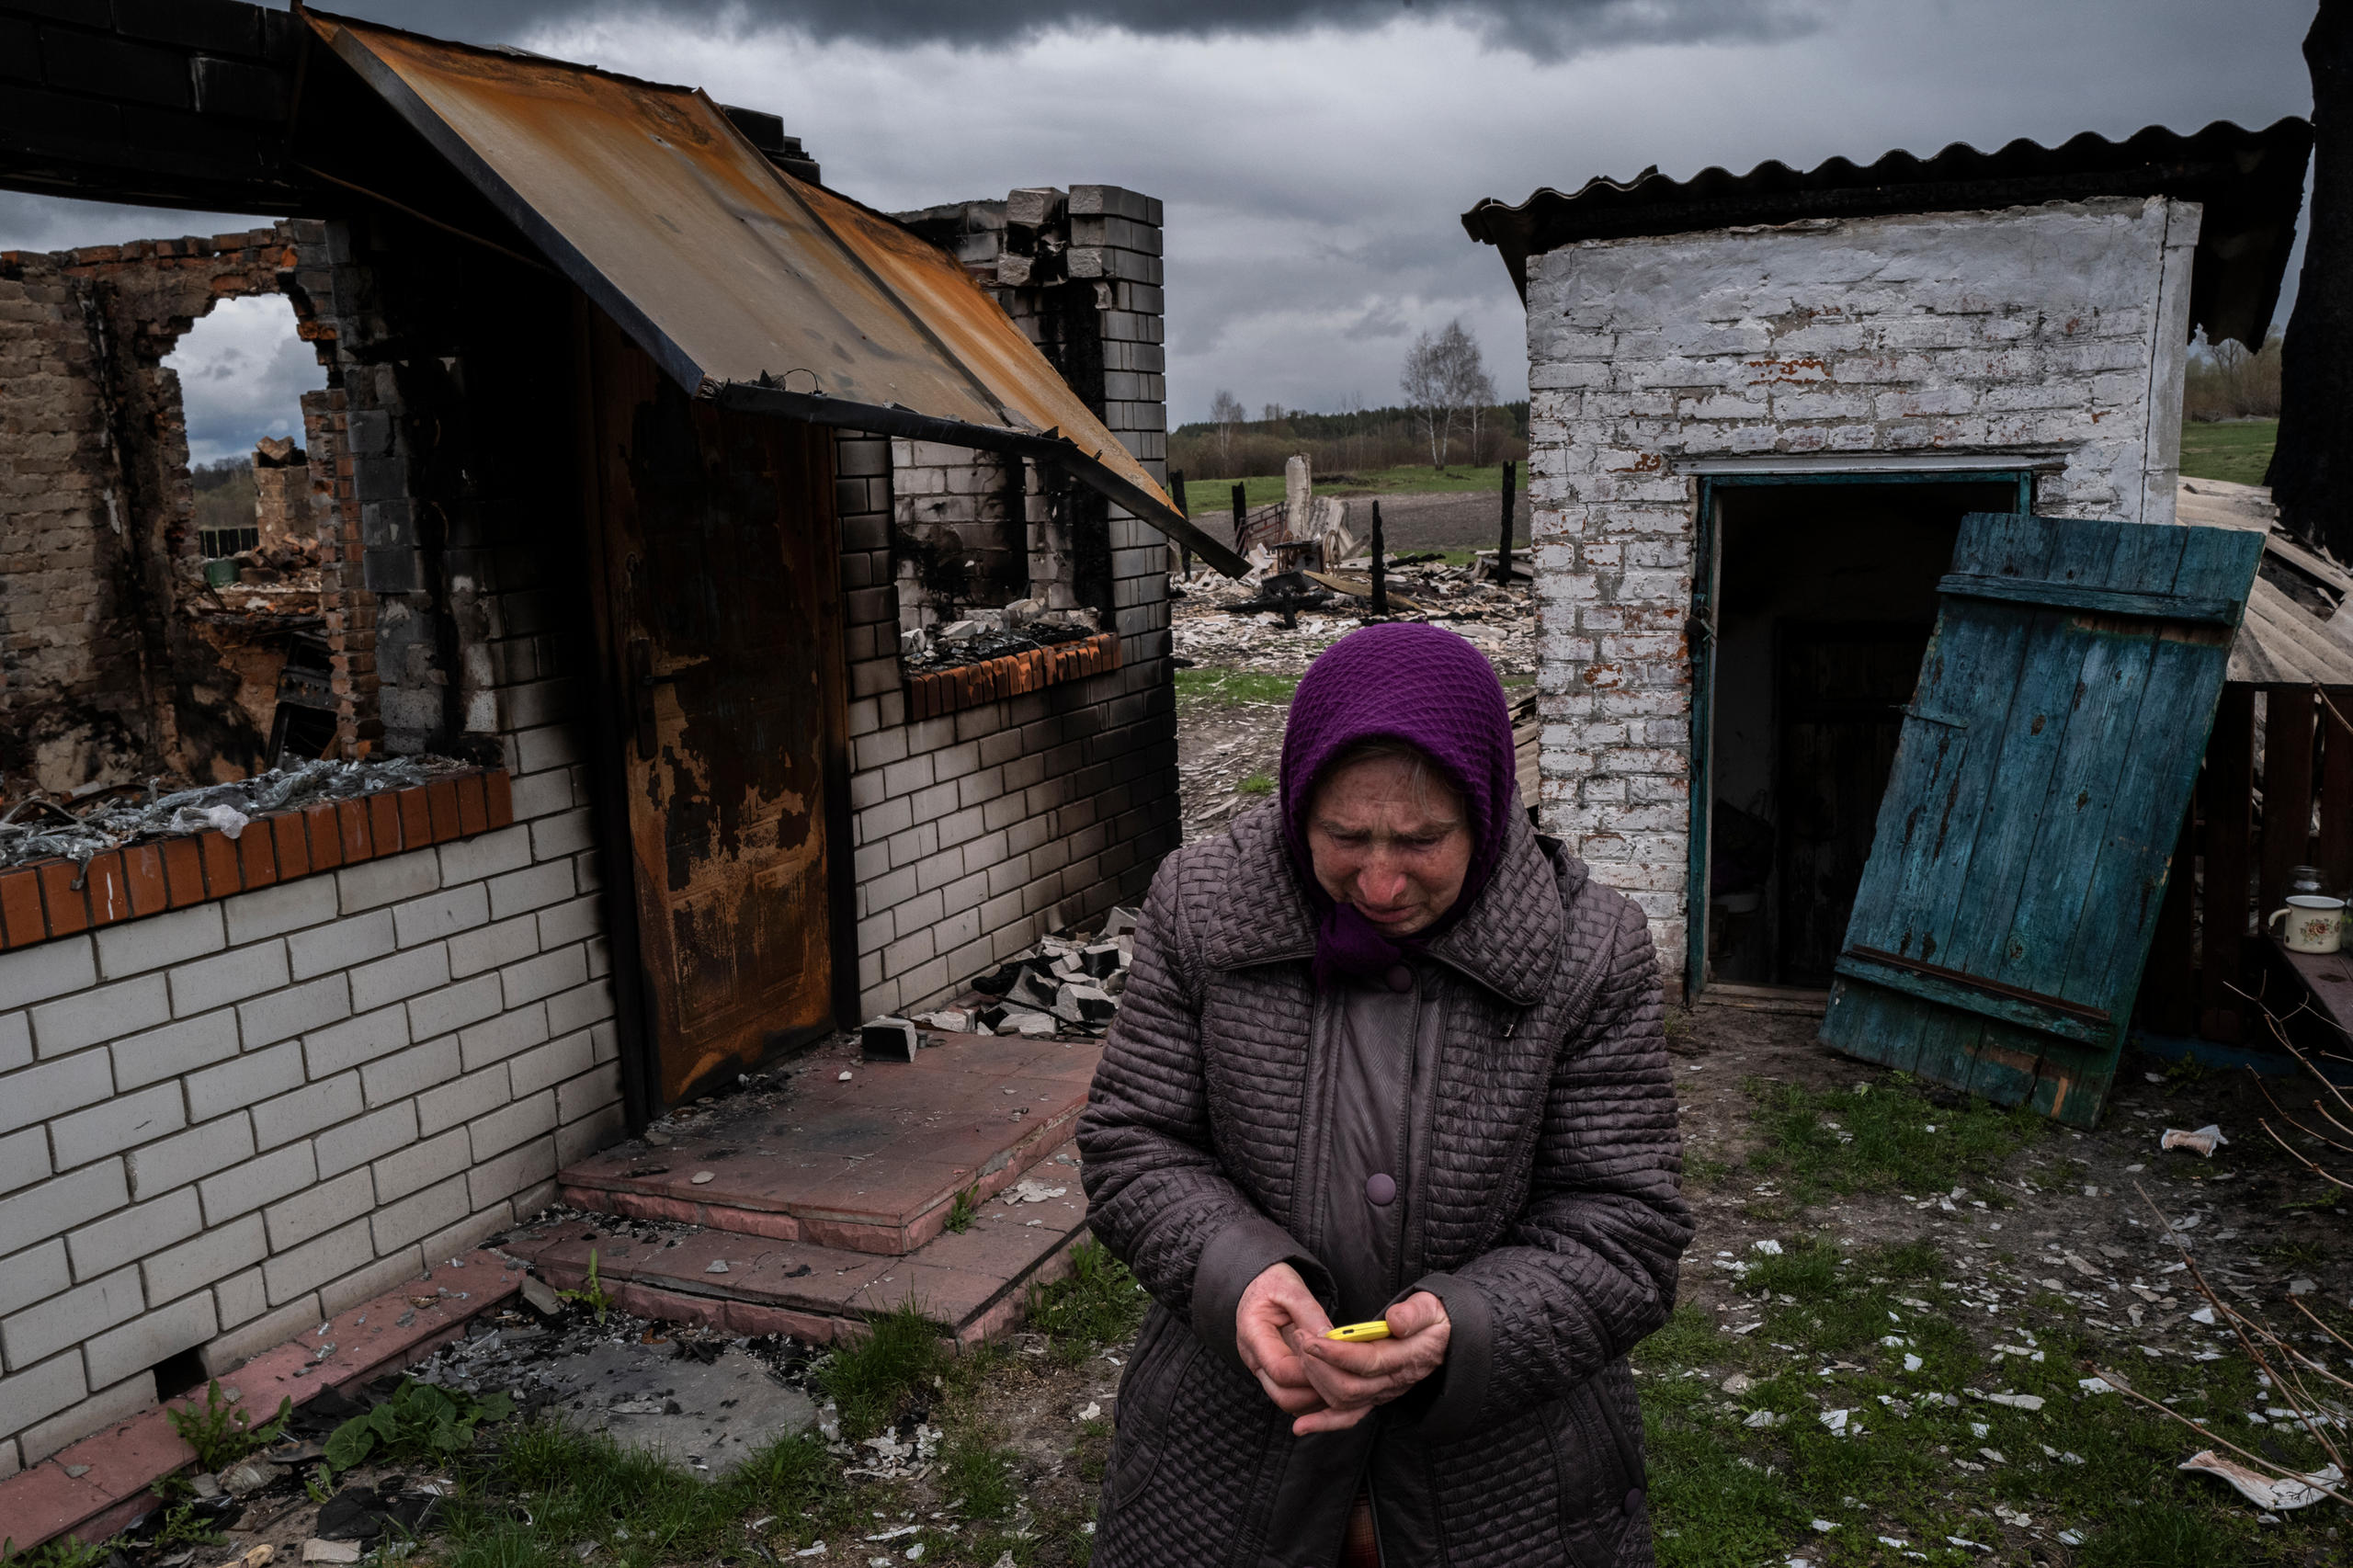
(734, 275)
(717, 601)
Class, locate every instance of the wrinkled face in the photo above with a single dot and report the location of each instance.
(1392, 840)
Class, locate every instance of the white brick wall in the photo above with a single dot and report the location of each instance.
(219, 1125)
(2053, 331)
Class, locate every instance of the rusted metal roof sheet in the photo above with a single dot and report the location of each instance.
(744, 284)
(2251, 182)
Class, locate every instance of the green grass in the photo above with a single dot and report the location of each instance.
(1880, 1140)
(1098, 1303)
(871, 1378)
(1210, 497)
(1257, 784)
(2237, 449)
(978, 1475)
(1231, 688)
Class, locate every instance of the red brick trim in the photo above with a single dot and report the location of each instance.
(46, 898)
(992, 680)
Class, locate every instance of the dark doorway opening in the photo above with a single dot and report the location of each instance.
(1825, 595)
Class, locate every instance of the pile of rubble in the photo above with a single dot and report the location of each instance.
(1067, 986)
(990, 633)
(1276, 622)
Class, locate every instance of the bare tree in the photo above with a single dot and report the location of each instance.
(1446, 379)
(1225, 412)
(1479, 399)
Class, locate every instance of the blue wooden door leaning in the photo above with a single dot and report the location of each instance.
(2047, 757)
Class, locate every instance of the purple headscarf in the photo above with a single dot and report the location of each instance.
(1409, 682)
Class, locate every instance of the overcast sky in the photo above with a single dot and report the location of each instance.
(1315, 158)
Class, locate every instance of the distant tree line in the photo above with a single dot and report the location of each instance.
(1353, 441)
(2228, 382)
(225, 496)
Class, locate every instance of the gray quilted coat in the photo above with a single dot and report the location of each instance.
(1542, 1206)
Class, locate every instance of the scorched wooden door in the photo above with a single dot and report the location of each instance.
(717, 559)
(2047, 755)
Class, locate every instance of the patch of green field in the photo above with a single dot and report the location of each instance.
(1233, 687)
(1210, 497)
(2235, 450)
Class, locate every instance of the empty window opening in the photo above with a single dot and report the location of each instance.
(1827, 595)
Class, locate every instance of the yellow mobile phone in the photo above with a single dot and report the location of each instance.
(1357, 1333)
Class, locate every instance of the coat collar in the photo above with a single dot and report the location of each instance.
(1509, 941)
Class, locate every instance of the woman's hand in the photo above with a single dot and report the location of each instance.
(1349, 1380)
(1277, 1304)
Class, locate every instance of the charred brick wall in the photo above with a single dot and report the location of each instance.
(2052, 335)
(113, 665)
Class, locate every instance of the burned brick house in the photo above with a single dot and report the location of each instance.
(1761, 406)
(641, 455)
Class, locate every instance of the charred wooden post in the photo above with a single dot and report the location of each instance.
(1503, 551)
(1177, 494)
(1380, 564)
(2314, 459)
(1241, 513)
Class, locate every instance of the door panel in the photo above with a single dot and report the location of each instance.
(2024, 842)
(717, 559)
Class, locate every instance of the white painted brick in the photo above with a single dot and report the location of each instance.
(578, 1008)
(404, 975)
(214, 1256)
(107, 1407)
(410, 1072)
(338, 1047)
(140, 1344)
(291, 1274)
(388, 880)
(551, 1063)
(245, 1188)
(23, 1158)
(470, 1234)
(488, 855)
(230, 977)
(545, 975)
(421, 1164)
(573, 922)
(340, 944)
(470, 1097)
(536, 888)
(102, 1014)
(502, 1036)
(357, 1143)
(542, 794)
(16, 1042)
(266, 1020)
(307, 1111)
(454, 1007)
(553, 837)
(258, 1333)
(249, 1080)
(160, 939)
(494, 1181)
(575, 1141)
(130, 1234)
(70, 1317)
(10, 1462)
(418, 1216)
(29, 1397)
(441, 914)
(121, 1123)
(33, 1275)
(175, 1050)
(370, 1280)
(508, 1126)
(315, 1209)
(495, 946)
(593, 1089)
(273, 912)
(242, 1297)
(54, 1207)
(51, 969)
(36, 1094)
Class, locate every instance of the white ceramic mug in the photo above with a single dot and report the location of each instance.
(2312, 923)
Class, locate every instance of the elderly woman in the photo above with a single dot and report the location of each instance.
(1386, 1053)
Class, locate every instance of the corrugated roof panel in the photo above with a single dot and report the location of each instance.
(742, 282)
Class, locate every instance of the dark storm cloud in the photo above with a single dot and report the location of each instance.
(1544, 29)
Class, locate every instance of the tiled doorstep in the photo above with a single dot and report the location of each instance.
(871, 1166)
(975, 1281)
(117, 1466)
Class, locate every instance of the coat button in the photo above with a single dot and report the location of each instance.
(1634, 1502)
(1400, 978)
(1381, 1188)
